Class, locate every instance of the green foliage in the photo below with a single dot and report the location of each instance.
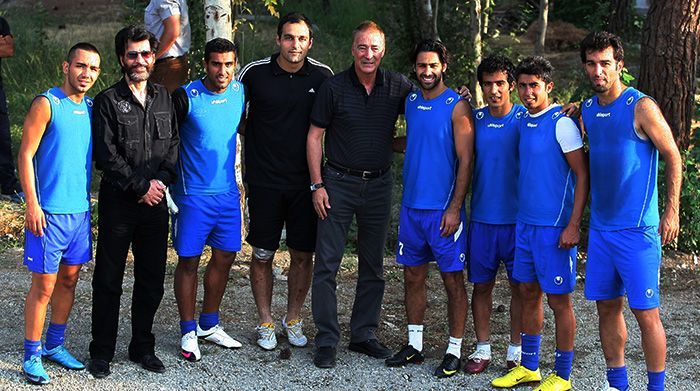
(584, 89)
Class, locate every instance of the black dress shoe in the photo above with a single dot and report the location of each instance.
(325, 357)
(149, 362)
(371, 347)
(98, 368)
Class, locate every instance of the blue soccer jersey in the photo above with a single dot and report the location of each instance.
(623, 165)
(206, 163)
(546, 182)
(495, 179)
(430, 166)
(62, 162)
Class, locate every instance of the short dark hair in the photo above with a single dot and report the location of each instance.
(598, 41)
(432, 45)
(496, 63)
(367, 25)
(133, 33)
(88, 47)
(295, 17)
(536, 66)
(219, 45)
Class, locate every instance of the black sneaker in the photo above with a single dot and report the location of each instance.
(371, 347)
(325, 357)
(98, 368)
(449, 366)
(407, 355)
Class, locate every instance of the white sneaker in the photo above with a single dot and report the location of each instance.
(189, 347)
(218, 336)
(268, 339)
(606, 387)
(294, 332)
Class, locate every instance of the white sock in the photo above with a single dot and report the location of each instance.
(415, 336)
(454, 347)
(514, 351)
(484, 347)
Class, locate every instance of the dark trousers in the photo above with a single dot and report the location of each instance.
(370, 202)
(171, 72)
(8, 180)
(123, 222)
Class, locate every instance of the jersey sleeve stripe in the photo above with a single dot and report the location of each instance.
(320, 64)
(246, 68)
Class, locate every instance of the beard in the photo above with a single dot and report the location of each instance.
(137, 76)
(435, 83)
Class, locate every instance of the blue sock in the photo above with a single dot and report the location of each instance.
(530, 357)
(207, 321)
(55, 335)
(617, 377)
(562, 363)
(31, 348)
(656, 380)
(187, 325)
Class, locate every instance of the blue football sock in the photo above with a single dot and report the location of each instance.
(207, 321)
(656, 380)
(55, 335)
(31, 348)
(530, 357)
(187, 325)
(617, 377)
(562, 363)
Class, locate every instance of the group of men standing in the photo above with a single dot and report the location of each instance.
(526, 165)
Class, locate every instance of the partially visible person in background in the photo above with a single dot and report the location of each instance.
(168, 21)
(8, 180)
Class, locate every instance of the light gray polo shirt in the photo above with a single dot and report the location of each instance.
(159, 10)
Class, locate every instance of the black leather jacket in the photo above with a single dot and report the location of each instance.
(133, 144)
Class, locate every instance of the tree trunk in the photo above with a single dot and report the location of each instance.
(475, 27)
(542, 33)
(218, 19)
(619, 17)
(670, 41)
(426, 24)
(435, 19)
(485, 17)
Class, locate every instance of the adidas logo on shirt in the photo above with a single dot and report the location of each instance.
(311, 90)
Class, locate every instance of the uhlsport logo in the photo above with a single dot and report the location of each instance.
(413, 97)
(630, 100)
(194, 92)
(589, 102)
(449, 100)
(603, 115)
(55, 99)
(88, 102)
(462, 257)
(519, 115)
(556, 115)
(480, 115)
(558, 280)
(236, 87)
(649, 293)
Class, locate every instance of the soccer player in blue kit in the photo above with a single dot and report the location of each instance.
(552, 193)
(439, 149)
(627, 132)
(494, 206)
(55, 160)
(209, 111)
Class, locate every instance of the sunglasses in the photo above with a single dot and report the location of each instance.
(145, 54)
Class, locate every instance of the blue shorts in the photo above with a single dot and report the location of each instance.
(420, 241)
(67, 240)
(489, 245)
(538, 258)
(626, 260)
(214, 220)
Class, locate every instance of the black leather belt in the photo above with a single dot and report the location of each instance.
(168, 59)
(359, 173)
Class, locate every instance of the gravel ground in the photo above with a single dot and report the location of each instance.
(252, 368)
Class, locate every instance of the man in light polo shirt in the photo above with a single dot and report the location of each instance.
(169, 22)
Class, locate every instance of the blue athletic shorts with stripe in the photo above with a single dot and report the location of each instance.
(538, 258)
(67, 240)
(489, 245)
(213, 220)
(625, 260)
(420, 241)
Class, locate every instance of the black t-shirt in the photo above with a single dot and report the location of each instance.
(4, 30)
(360, 127)
(279, 104)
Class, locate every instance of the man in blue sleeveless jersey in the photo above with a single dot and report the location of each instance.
(627, 132)
(439, 149)
(494, 206)
(55, 160)
(552, 192)
(209, 111)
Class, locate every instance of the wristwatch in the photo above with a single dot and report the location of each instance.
(316, 186)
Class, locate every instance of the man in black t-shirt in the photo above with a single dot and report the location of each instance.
(280, 91)
(8, 180)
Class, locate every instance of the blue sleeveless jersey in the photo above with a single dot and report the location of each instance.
(623, 166)
(430, 166)
(63, 160)
(546, 182)
(206, 163)
(495, 178)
